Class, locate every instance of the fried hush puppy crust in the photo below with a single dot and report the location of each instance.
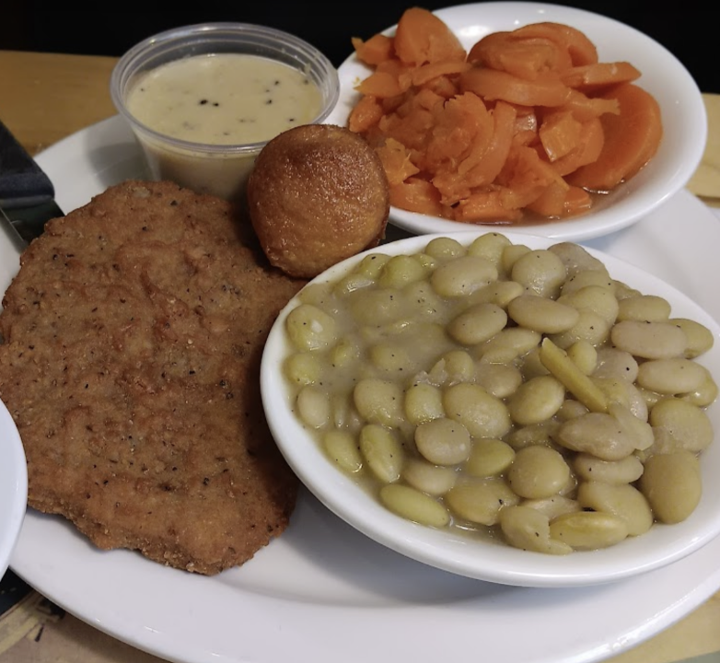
(318, 194)
(132, 338)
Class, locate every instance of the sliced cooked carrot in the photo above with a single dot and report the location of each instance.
(412, 120)
(524, 138)
(585, 108)
(445, 86)
(559, 134)
(592, 139)
(482, 169)
(366, 113)
(427, 98)
(375, 50)
(408, 103)
(525, 177)
(457, 124)
(431, 70)
(396, 67)
(545, 90)
(452, 187)
(551, 202)
(400, 70)
(631, 140)
(381, 84)
(396, 161)
(526, 119)
(525, 58)
(422, 37)
(557, 201)
(485, 160)
(581, 50)
(451, 154)
(544, 54)
(411, 130)
(577, 201)
(485, 207)
(483, 50)
(486, 130)
(391, 104)
(417, 195)
(592, 78)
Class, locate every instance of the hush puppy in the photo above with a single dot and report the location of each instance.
(318, 194)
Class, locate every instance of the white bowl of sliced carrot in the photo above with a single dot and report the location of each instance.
(544, 119)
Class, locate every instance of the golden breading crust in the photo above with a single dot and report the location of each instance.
(130, 364)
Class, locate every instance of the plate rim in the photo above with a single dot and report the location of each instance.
(14, 493)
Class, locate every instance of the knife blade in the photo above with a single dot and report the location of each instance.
(27, 196)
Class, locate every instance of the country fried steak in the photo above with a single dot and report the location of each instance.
(131, 345)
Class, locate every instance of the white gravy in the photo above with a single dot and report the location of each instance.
(224, 99)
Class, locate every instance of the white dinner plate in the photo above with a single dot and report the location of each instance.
(13, 486)
(324, 593)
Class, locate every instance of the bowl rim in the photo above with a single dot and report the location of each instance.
(600, 221)
(175, 38)
(494, 562)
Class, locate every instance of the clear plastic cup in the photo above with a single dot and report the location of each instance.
(221, 170)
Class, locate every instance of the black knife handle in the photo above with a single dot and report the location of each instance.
(22, 181)
(29, 222)
(26, 192)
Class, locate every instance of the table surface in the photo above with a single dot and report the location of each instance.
(46, 97)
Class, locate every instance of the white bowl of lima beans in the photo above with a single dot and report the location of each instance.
(502, 407)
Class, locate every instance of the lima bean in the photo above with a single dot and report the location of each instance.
(481, 500)
(621, 500)
(382, 452)
(672, 485)
(414, 505)
(482, 414)
(589, 530)
(529, 529)
(443, 441)
(538, 471)
(542, 315)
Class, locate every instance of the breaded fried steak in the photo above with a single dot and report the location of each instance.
(132, 338)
